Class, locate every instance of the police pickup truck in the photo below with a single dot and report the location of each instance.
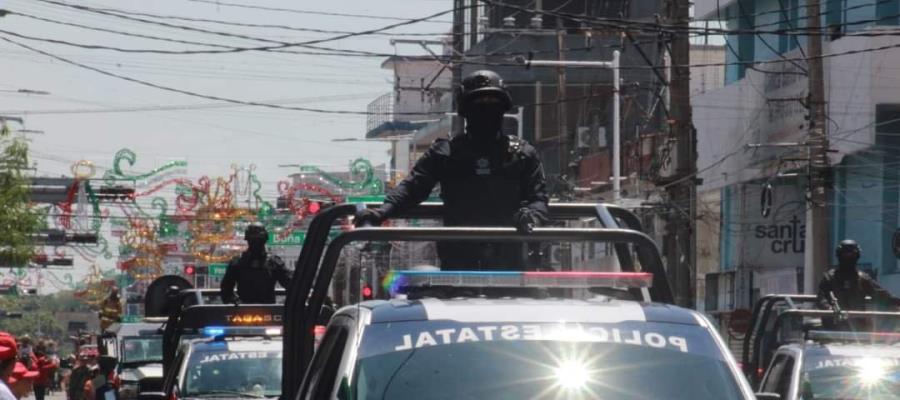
(837, 365)
(535, 330)
(518, 348)
(222, 351)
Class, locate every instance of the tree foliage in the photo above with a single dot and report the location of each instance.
(18, 221)
(39, 315)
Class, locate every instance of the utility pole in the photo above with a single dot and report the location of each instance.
(459, 40)
(680, 233)
(561, 109)
(817, 252)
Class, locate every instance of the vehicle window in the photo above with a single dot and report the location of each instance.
(173, 372)
(770, 382)
(785, 378)
(327, 362)
(216, 370)
(843, 377)
(524, 361)
(142, 349)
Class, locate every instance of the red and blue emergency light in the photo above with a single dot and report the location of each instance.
(397, 280)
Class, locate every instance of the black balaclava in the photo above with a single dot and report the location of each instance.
(847, 253)
(484, 119)
(256, 237)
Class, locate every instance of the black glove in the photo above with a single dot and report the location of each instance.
(369, 217)
(526, 219)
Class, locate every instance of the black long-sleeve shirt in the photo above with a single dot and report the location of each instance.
(255, 279)
(851, 288)
(480, 185)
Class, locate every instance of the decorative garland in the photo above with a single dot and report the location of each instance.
(369, 184)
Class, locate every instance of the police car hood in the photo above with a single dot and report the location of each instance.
(597, 310)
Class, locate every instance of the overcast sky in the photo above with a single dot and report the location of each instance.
(211, 139)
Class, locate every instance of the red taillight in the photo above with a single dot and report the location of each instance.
(319, 330)
(760, 372)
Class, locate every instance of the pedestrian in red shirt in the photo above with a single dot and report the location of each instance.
(46, 366)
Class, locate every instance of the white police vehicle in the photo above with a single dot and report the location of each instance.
(521, 348)
(223, 366)
(138, 349)
(222, 351)
(837, 365)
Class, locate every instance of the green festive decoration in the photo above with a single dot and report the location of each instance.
(129, 156)
(358, 168)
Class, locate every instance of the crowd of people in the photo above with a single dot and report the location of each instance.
(26, 368)
(32, 368)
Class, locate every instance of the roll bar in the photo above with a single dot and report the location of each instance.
(763, 308)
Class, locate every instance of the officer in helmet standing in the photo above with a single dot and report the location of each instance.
(255, 272)
(486, 179)
(846, 288)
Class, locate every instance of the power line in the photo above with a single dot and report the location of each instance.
(200, 95)
(280, 44)
(266, 26)
(310, 12)
(655, 27)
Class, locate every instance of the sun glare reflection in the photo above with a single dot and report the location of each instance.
(871, 371)
(572, 375)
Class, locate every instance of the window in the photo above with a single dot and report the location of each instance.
(886, 12)
(770, 382)
(784, 381)
(327, 361)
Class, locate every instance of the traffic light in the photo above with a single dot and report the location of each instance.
(314, 207)
(189, 269)
(367, 292)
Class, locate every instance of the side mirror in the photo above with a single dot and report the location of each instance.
(768, 396)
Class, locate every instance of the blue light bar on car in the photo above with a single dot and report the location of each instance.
(213, 331)
(397, 280)
(216, 331)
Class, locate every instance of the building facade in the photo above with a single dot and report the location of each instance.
(755, 197)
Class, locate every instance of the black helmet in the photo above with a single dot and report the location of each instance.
(480, 83)
(256, 230)
(847, 245)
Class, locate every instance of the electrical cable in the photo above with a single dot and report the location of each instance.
(280, 44)
(200, 95)
(296, 11)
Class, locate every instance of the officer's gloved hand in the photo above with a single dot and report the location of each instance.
(526, 219)
(369, 217)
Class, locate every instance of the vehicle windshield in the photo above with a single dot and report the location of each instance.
(868, 378)
(219, 371)
(514, 361)
(142, 349)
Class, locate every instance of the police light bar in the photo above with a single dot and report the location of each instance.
(221, 331)
(848, 336)
(397, 280)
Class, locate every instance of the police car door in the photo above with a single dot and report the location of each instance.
(328, 373)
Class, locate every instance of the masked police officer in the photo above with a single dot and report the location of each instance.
(848, 286)
(486, 178)
(255, 272)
